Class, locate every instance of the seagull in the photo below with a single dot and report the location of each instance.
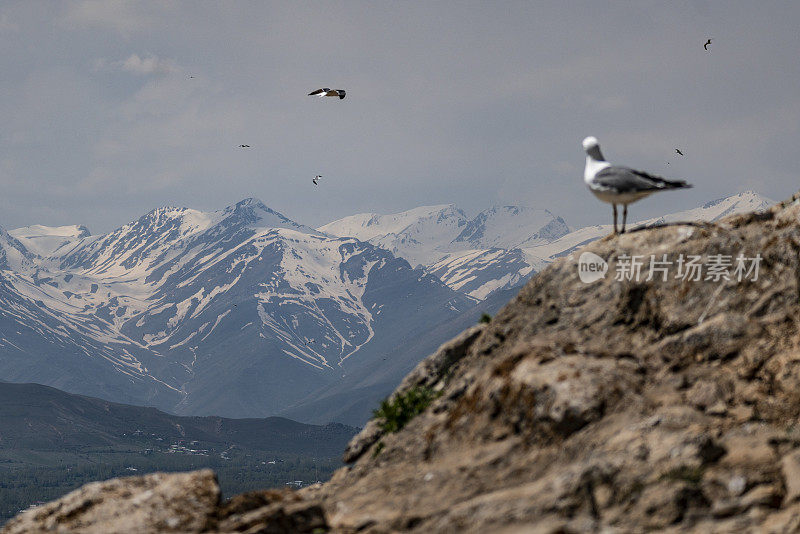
(328, 92)
(316, 179)
(679, 152)
(707, 43)
(244, 146)
(620, 185)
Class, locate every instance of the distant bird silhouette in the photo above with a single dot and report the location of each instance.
(325, 91)
(191, 77)
(620, 185)
(316, 179)
(707, 43)
(244, 146)
(679, 152)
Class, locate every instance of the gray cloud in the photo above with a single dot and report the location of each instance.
(6, 25)
(143, 66)
(471, 103)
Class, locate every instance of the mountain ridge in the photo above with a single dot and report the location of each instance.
(243, 312)
(236, 312)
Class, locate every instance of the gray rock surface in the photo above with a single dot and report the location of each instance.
(170, 502)
(160, 502)
(614, 406)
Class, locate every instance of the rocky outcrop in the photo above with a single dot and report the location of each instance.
(618, 404)
(160, 502)
(664, 403)
(170, 502)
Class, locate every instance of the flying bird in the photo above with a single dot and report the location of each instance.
(707, 43)
(328, 92)
(316, 179)
(244, 146)
(679, 152)
(620, 185)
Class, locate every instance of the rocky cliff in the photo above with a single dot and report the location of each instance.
(664, 399)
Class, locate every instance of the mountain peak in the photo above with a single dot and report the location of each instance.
(254, 207)
(251, 201)
(254, 213)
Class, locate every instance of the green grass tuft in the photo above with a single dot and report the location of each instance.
(485, 318)
(396, 414)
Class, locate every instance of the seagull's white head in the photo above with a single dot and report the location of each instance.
(592, 147)
(590, 142)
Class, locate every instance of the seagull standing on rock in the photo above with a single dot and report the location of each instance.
(620, 185)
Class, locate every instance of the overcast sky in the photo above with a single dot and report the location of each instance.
(476, 104)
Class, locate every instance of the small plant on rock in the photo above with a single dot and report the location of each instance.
(398, 411)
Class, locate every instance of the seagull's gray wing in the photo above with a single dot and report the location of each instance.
(626, 180)
(318, 91)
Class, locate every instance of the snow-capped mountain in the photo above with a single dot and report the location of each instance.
(429, 234)
(238, 312)
(476, 256)
(243, 312)
(510, 227)
(418, 235)
(502, 247)
(716, 209)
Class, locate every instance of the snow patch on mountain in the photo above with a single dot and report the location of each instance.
(511, 227)
(13, 254)
(417, 235)
(716, 209)
(48, 240)
(475, 256)
(479, 273)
